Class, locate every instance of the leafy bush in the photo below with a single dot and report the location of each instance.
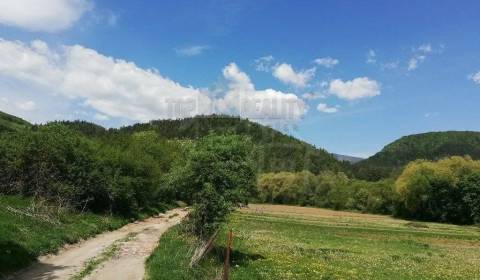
(121, 174)
(217, 175)
(445, 190)
(470, 189)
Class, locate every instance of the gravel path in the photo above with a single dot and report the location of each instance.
(134, 243)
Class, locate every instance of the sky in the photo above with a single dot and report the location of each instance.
(346, 76)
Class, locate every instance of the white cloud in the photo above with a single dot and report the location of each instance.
(26, 106)
(354, 89)
(42, 15)
(117, 90)
(192, 50)
(425, 48)
(267, 106)
(264, 63)
(389, 65)
(322, 107)
(286, 74)
(475, 77)
(312, 96)
(101, 117)
(112, 87)
(420, 54)
(371, 57)
(412, 64)
(327, 62)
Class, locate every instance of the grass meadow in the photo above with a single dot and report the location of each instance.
(289, 242)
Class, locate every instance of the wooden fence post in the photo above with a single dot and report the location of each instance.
(226, 265)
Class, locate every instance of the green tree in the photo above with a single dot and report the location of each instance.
(217, 175)
(432, 191)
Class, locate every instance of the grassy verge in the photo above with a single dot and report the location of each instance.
(24, 236)
(283, 242)
(171, 258)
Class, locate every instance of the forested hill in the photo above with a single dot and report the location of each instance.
(9, 122)
(276, 151)
(431, 146)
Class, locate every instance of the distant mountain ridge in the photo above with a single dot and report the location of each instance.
(350, 159)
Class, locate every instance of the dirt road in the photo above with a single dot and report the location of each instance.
(114, 255)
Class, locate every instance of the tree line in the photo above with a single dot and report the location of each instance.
(129, 174)
(447, 190)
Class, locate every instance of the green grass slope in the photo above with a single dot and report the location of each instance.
(11, 123)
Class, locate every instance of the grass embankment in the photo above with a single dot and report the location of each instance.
(27, 234)
(287, 242)
(171, 259)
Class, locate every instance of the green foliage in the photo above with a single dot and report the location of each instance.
(217, 175)
(275, 151)
(445, 190)
(12, 123)
(123, 174)
(328, 189)
(26, 233)
(470, 188)
(428, 146)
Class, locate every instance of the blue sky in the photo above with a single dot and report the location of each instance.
(346, 76)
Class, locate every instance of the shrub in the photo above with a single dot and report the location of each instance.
(470, 189)
(438, 191)
(117, 174)
(217, 175)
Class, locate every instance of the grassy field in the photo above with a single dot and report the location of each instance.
(288, 242)
(25, 234)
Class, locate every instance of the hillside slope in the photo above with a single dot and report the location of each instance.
(275, 151)
(11, 123)
(430, 146)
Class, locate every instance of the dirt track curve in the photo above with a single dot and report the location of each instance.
(133, 243)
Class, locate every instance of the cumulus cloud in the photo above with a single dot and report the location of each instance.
(324, 108)
(112, 87)
(357, 88)
(475, 77)
(285, 73)
(266, 106)
(192, 50)
(327, 62)
(42, 15)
